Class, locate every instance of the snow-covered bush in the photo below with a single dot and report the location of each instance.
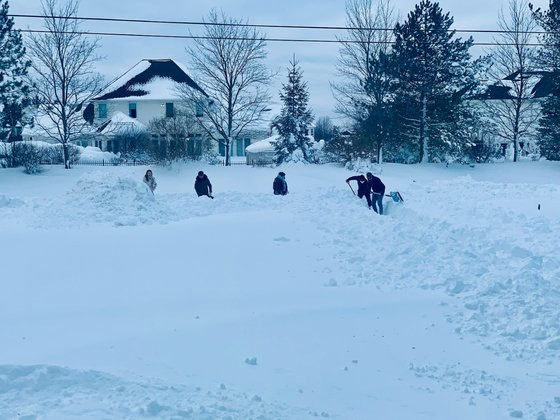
(54, 154)
(27, 155)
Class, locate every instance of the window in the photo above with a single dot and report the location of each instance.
(199, 109)
(102, 111)
(190, 147)
(247, 143)
(240, 147)
(198, 145)
(221, 149)
(169, 110)
(132, 110)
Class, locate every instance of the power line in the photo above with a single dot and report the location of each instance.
(204, 37)
(256, 25)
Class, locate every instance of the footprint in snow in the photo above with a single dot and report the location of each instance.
(281, 239)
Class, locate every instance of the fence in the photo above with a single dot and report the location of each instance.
(234, 163)
(116, 162)
(102, 162)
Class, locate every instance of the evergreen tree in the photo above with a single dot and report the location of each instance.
(14, 91)
(549, 58)
(433, 76)
(295, 119)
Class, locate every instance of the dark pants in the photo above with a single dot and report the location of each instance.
(378, 199)
(368, 197)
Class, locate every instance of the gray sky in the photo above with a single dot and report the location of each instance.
(317, 60)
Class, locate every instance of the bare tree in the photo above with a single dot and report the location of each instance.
(229, 66)
(514, 118)
(363, 92)
(63, 60)
(177, 137)
(324, 129)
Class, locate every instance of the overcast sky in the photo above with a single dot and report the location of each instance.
(317, 60)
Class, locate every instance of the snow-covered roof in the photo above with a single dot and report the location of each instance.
(266, 145)
(150, 79)
(121, 124)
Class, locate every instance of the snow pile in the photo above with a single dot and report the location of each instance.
(6, 202)
(91, 153)
(92, 394)
(101, 197)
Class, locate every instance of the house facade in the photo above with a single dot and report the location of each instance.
(149, 91)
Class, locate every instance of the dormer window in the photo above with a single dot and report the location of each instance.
(102, 111)
(132, 110)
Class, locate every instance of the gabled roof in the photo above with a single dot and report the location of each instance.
(543, 88)
(149, 79)
(494, 92)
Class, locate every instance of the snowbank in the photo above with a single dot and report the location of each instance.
(10, 202)
(102, 197)
(84, 395)
(91, 153)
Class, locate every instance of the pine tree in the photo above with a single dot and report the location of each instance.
(295, 119)
(14, 91)
(433, 75)
(549, 58)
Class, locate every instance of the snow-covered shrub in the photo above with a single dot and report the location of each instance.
(483, 152)
(26, 154)
(54, 154)
(211, 158)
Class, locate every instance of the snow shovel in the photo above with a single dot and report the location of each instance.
(351, 188)
(395, 195)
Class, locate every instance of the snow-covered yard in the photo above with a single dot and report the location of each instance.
(119, 304)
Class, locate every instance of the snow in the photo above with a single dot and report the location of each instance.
(122, 304)
(122, 124)
(137, 69)
(159, 88)
(265, 145)
(91, 153)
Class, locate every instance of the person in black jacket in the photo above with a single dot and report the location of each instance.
(202, 185)
(378, 191)
(364, 188)
(280, 186)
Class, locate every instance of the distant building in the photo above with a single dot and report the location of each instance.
(263, 152)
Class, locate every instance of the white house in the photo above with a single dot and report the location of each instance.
(149, 90)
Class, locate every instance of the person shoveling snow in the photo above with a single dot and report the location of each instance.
(202, 185)
(370, 184)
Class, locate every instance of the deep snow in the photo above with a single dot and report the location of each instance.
(120, 304)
